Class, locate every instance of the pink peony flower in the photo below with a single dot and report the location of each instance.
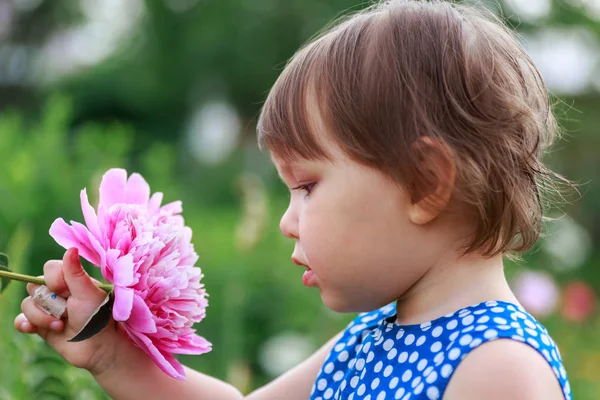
(144, 250)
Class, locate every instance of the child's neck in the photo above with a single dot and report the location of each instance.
(454, 283)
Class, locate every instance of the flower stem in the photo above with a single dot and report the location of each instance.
(39, 281)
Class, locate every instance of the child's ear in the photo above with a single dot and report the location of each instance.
(434, 183)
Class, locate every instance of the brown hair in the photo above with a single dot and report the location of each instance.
(402, 70)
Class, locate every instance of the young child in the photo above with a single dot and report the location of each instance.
(410, 136)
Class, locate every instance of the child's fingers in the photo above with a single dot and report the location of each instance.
(23, 325)
(80, 284)
(55, 278)
(31, 288)
(38, 317)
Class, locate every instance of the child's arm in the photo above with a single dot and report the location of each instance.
(297, 382)
(135, 376)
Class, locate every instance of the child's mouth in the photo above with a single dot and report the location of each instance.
(308, 277)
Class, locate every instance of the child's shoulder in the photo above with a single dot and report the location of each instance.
(377, 353)
(508, 369)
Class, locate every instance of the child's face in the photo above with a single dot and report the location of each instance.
(352, 230)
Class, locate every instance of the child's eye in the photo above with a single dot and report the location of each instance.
(307, 187)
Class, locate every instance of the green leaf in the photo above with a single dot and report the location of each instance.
(50, 383)
(4, 267)
(4, 281)
(4, 260)
(97, 321)
(52, 395)
(49, 362)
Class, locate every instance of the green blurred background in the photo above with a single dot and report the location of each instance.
(172, 89)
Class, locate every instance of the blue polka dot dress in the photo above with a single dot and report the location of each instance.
(377, 359)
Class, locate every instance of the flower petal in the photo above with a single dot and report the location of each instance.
(107, 268)
(123, 303)
(172, 208)
(94, 249)
(191, 344)
(137, 190)
(89, 215)
(76, 236)
(123, 271)
(154, 203)
(163, 360)
(112, 187)
(141, 319)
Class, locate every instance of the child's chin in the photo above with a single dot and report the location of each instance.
(340, 304)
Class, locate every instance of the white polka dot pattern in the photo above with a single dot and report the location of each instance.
(377, 359)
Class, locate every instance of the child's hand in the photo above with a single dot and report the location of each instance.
(68, 279)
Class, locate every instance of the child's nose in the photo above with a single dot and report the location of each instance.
(289, 224)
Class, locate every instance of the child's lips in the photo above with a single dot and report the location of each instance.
(308, 277)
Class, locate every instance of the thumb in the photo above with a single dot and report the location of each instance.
(80, 284)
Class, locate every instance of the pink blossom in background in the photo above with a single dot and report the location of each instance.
(579, 301)
(145, 250)
(537, 292)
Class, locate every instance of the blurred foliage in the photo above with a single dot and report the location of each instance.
(132, 109)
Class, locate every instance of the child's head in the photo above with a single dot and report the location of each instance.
(433, 117)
